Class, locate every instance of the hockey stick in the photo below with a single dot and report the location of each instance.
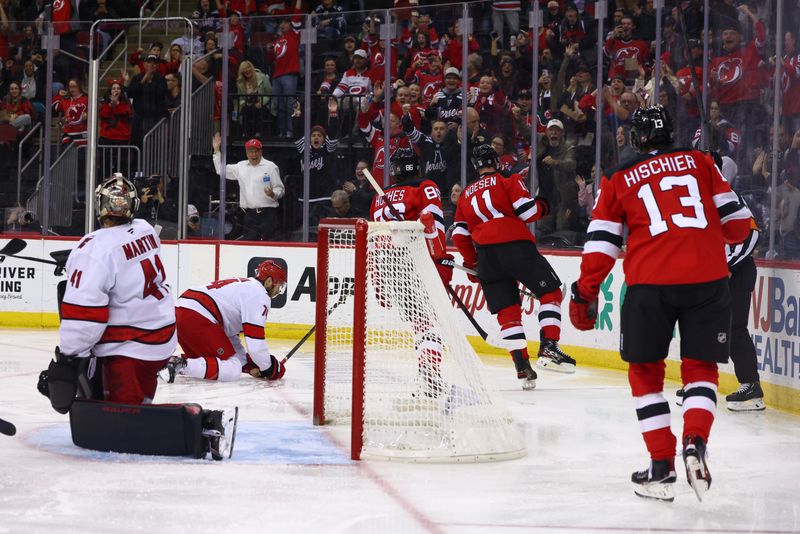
(524, 292)
(379, 190)
(7, 428)
(470, 317)
(14, 246)
(336, 304)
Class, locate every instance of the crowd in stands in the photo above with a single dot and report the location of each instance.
(349, 89)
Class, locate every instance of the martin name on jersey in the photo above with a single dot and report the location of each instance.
(117, 302)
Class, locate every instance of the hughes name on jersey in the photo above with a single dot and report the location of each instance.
(117, 302)
(410, 199)
(678, 208)
(240, 305)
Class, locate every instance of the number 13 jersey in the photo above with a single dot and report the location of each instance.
(117, 302)
(679, 211)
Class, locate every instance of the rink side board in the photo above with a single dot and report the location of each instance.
(27, 300)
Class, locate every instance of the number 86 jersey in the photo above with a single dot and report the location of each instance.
(117, 302)
(679, 211)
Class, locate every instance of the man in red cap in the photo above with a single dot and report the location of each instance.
(260, 188)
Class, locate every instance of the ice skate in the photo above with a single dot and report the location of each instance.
(748, 398)
(219, 431)
(524, 370)
(551, 358)
(174, 367)
(697, 473)
(656, 482)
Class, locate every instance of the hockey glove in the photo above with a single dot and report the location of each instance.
(60, 381)
(542, 206)
(445, 267)
(273, 372)
(582, 311)
(471, 277)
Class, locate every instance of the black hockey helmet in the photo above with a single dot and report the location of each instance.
(651, 128)
(403, 164)
(484, 156)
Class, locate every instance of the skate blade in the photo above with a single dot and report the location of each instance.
(528, 385)
(656, 491)
(547, 364)
(752, 405)
(695, 474)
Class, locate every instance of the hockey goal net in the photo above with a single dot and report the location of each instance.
(390, 357)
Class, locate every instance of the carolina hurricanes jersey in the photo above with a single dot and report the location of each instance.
(493, 209)
(240, 305)
(117, 302)
(410, 199)
(679, 210)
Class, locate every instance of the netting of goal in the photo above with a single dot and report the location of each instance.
(390, 350)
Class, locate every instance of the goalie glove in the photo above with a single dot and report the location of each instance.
(59, 382)
(273, 372)
(444, 265)
(582, 310)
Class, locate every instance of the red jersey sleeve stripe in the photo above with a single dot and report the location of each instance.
(118, 334)
(76, 312)
(253, 331)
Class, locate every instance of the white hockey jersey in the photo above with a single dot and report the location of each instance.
(240, 305)
(117, 302)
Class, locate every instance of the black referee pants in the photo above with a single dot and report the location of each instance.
(743, 352)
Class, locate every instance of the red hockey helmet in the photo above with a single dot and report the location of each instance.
(270, 269)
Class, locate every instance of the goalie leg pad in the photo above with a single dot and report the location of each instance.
(159, 430)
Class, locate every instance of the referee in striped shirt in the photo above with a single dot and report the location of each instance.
(742, 281)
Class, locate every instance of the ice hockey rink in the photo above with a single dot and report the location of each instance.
(288, 476)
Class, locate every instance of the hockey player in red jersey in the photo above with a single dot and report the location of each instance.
(412, 198)
(210, 319)
(492, 236)
(679, 211)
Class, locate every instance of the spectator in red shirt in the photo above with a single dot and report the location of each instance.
(285, 55)
(626, 53)
(735, 75)
(19, 110)
(115, 117)
(790, 82)
(74, 105)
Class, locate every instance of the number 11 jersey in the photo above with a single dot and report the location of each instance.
(679, 211)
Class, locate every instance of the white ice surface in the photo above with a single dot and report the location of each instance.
(289, 476)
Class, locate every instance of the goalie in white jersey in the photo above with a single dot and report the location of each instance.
(117, 307)
(210, 319)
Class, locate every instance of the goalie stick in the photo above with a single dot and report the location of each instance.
(7, 428)
(336, 304)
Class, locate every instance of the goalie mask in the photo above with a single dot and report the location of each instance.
(484, 156)
(116, 197)
(403, 164)
(269, 268)
(651, 128)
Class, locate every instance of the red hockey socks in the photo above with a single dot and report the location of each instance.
(700, 380)
(652, 409)
(510, 320)
(550, 315)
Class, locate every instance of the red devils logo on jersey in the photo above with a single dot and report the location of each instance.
(75, 113)
(377, 60)
(429, 90)
(626, 52)
(280, 47)
(378, 161)
(730, 71)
